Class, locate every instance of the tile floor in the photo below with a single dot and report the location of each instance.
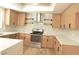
(38, 51)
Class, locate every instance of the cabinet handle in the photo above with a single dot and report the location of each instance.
(55, 42)
(47, 40)
(24, 38)
(60, 45)
(58, 49)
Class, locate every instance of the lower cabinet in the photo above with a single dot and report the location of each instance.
(57, 47)
(5, 36)
(13, 36)
(44, 42)
(48, 41)
(62, 49)
(26, 39)
(70, 49)
(18, 35)
(21, 36)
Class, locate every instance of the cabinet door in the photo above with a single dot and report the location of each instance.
(27, 40)
(21, 36)
(56, 20)
(13, 36)
(58, 48)
(17, 35)
(77, 21)
(44, 42)
(21, 18)
(50, 42)
(13, 18)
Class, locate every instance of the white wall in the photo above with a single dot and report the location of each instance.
(2, 13)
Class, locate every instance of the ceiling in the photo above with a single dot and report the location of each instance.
(36, 6)
(58, 8)
(25, 7)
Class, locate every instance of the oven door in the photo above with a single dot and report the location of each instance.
(36, 38)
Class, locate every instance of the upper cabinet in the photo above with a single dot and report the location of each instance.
(56, 20)
(70, 17)
(20, 18)
(14, 18)
(7, 17)
(77, 21)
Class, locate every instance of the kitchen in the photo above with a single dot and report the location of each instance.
(41, 31)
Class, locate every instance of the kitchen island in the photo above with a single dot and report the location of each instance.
(10, 46)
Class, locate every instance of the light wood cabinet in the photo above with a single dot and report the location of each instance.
(20, 36)
(10, 17)
(65, 49)
(57, 47)
(25, 38)
(77, 21)
(12, 36)
(5, 36)
(48, 42)
(14, 18)
(20, 18)
(44, 42)
(56, 21)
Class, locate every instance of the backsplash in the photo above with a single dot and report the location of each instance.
(37, 17)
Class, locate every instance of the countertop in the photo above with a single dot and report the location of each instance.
(64, 36)
(6, 43)
(6, 33)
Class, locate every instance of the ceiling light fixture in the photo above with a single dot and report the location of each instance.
(35, 4)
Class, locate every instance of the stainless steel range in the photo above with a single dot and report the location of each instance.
(36, 37)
